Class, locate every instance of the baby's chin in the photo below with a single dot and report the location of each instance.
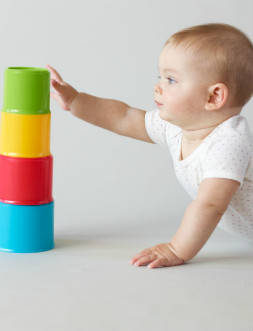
(164, 116)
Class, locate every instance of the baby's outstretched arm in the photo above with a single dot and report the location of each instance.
(199, 221)
(109, 114)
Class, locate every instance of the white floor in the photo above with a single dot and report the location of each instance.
(86, 284)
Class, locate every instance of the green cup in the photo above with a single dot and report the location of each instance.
(26, 91)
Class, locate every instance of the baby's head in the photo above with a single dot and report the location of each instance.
(209, 78)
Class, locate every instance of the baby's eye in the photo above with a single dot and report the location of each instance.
(171, 80)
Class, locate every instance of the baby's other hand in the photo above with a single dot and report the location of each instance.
(64, 93)
(158, 256)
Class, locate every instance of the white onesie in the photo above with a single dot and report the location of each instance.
(227, 152)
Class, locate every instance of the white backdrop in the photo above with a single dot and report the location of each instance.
(109, 49)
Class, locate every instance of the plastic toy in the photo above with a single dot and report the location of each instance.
(26, 164)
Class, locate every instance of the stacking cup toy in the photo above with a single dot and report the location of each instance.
(26, 164)
(26, 181)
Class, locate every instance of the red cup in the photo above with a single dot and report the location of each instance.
(26, 181)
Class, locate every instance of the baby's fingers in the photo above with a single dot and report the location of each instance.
(158, 263)
(145, 260)
(139, 255)
(54, 74)
(59, 87)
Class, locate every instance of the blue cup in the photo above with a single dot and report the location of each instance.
(26, 229)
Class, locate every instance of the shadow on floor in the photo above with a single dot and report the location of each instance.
(224, 259)
(66, 243)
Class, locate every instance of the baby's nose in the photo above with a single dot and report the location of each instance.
(157, 89)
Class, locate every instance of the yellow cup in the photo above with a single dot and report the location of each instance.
(25, 135)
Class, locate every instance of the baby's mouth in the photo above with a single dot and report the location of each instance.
(158, 103)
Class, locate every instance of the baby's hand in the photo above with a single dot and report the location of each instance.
(158, 256)
(65, 93)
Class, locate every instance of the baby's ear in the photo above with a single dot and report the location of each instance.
(217, 96)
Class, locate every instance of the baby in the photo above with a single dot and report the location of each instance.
(206, 75)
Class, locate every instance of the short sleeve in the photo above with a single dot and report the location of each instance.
(159, 131)
(156, 127)
(227, 158)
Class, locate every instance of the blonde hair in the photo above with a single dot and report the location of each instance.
(227, 54)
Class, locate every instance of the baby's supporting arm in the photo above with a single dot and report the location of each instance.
(199, 221)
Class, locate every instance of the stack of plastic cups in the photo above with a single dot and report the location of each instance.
(26, 164)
